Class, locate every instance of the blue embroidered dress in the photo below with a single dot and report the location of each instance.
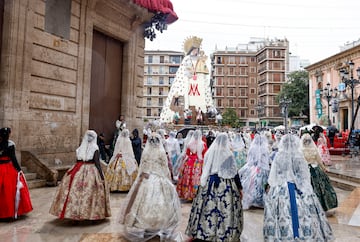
(292, 210)
(216, 213)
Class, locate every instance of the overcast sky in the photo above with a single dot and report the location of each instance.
(315, 29)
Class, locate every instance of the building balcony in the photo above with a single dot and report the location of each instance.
(157, 84)
(262, 81)
(280, 57)
(281, 69)
(260, 70)
(164, 94)
(243, 96)
(261, 59)
(156, 95)
(231, 85)
(243, 85)
(262, 92)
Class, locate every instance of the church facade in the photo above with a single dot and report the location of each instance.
(68, 66)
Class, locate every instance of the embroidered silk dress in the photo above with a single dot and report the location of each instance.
(324, 150)
(152, 206)
(191, 169)
(83, 193)
(14, 193)
(239, 150)
(319, 179)
(255, 172)
(216, 212)
(172, 149)
(292, 211)
(122, 169)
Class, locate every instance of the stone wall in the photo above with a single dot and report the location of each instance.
(45, 80)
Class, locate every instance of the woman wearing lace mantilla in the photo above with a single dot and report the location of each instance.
(191, 169)
(323, 150)
(152, 206)
(239, 150)
(83, 194)
(292, 211)
(216, 213)
(319, 180)
(173, 149)
(183, 156)
(255, 172)
(122, 169)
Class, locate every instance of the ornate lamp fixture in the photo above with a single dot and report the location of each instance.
(329, 94)
(157, 22)
(350, 82)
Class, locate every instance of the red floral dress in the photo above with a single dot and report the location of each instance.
(190, 173)
(14, 192)
(324, 152)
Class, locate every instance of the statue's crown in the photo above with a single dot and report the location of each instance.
(190, 42)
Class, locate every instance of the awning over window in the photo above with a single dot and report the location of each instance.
(162, 6)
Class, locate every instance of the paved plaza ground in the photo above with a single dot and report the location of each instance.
(39, 225)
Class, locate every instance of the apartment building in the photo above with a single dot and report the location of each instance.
(248, 78)
(160, 68)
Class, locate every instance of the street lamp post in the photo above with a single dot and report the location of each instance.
(350, 82)
(329, 94)
(284, 104)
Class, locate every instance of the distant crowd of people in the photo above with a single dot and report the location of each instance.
(222, 174)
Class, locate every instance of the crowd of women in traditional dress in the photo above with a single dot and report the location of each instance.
(223, 175)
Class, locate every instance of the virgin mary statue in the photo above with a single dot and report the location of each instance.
(191, 81)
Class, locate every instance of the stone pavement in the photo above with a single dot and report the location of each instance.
(39, 225)
(345, 173)
(346, 165)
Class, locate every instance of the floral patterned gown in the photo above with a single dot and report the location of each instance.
(121, 172)
(292, 210)
(189, 175)
(320, 180)
(152, 206)
(216, 213)
(82, 194)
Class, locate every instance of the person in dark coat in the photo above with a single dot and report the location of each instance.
(210, 138)
(331, 132)
(104, 152)
(136, 144)
(316, 132)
